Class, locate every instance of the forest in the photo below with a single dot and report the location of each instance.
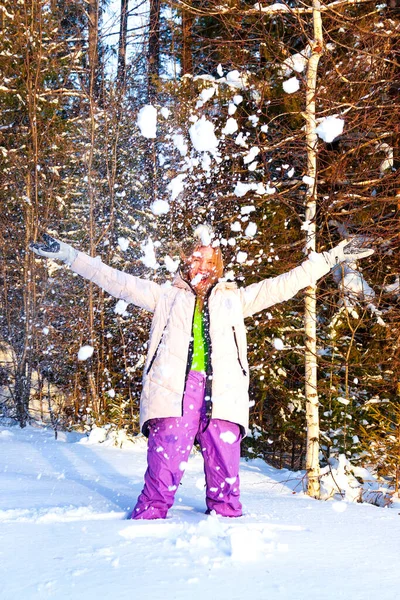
(125, 125)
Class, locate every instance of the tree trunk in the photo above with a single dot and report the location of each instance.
(187, 59)
(154, 49)
(121, 72)
(93, 50)
(311, 391)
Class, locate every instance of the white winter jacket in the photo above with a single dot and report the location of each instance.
(171, 333)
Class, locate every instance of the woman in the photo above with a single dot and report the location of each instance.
(196, 376)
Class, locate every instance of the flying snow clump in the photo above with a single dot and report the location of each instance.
(123, 243)
(170, 264)
(204, 233)
(176, 185)
(202, 136)
(231, 126)
(278, 344)
(85, 352)
(228, 437)
(165, 112)
(241, 257)
(159, 207)
(149, 258)
(180, 143)
(147, 121)
(207, 93)
(251, 230)
(291, 85)
(120, 308)
(250, 156)
(330, 128)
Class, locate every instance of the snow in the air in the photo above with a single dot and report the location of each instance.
(297, 62)
(45, 330)
(159, 207)
(170, 264)
(85, 352)
(231, 126)
(291, 85)
(204, 233)
(165, 112)
(207, 93)
(236, 226)
(246, 210)
(180, 144)
(250, 156)
(147, 121)
(330, 128)
(202, 135)
(232, 108)
(241, 257)
(176, 185)
(120, 308)
(308, 180)
(278, 344)
(149, 258)
(123, 243)
(250, 230)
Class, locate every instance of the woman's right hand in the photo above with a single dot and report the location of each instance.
(54, 249)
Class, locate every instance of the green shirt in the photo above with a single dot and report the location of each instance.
(200, 350)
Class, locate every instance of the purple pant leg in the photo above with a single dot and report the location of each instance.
(170, 442)
(220, 446)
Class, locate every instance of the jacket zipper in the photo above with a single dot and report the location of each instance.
(237, 350)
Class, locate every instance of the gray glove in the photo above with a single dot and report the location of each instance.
(54, 249)
(348, 250)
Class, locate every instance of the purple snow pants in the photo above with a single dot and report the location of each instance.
(170, 442)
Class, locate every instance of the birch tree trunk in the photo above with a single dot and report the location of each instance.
(311, 391)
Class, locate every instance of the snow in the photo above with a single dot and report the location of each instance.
(291, 85)
(170, 264)
(63, 530)
(298, 62)
(204, 233)
(159, 207)
(180, 143)
(85, 352)
(202, 135)
(120, 308)
(278, 344)
(147, 121)
(231, 126)
(123, 243)
(308, 180)
(176, 186)
(250, 156)
(272, 8)
(207, 93)
(330, 128)
(250, 230)
(237, 80)
(149, 258)
(241, 257)
(165, 112)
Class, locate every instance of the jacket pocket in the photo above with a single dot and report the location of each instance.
(238, 354)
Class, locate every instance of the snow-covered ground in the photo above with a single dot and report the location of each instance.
(63, 532)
